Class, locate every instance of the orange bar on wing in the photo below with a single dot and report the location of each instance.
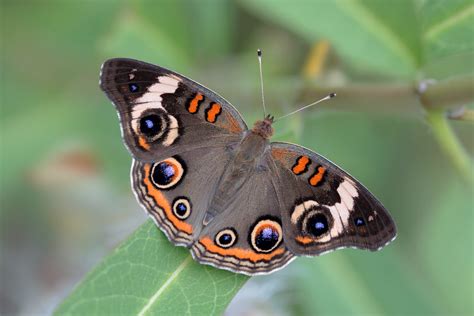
(194, 104)
(243, 254)
(213, 112)
(301, 165)
(317, 177)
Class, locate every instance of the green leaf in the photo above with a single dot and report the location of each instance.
(372, 34)
(448, 27)
(147, 275)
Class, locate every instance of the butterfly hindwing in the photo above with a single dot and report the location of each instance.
(176, 191)
(247, 235)
(324, 208)
(244, 233)
(161, 112)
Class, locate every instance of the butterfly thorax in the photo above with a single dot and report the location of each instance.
(264, 128)
(246, 161)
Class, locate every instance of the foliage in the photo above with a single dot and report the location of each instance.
(380, 54)
(146, 275)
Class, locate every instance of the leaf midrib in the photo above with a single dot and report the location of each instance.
(168, 282)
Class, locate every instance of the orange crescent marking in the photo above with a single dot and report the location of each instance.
(213, 112)
(314, 180)
(262, 227)
(143, 143)
(194, 104)
(164, 204)
(301, 165)
(239, 253)
(304, 240)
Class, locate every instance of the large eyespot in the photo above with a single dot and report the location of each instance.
(266, 235)
(182, 208)
(226, 238)
(151, 125)
(316, 224)
(312, 219)
(155, 124)
(167, 173)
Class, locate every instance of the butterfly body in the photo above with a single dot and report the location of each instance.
(237, 200)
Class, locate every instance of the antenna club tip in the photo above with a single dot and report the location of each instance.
(259, 52)
(332, 95)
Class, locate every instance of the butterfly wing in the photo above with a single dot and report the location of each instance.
(162, 112)
(324, 208)
(247, 236)
(181, 135)
(176, 191)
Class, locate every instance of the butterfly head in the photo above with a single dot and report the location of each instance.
(264, 128)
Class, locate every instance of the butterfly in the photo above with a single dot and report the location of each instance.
(238, 201)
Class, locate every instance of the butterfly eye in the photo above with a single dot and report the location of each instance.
(167, 173)
(317, 225)
(182, 208)
(226, 238)
(150, 125)
(266, 235)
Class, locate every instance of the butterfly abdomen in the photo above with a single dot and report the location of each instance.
(246, 160)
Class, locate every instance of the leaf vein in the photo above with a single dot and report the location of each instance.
(449, 22)
(168, 282)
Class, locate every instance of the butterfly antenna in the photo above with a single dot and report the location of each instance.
(329, 96)
(259, 55)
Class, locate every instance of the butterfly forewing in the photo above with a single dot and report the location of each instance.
(324, 208)
(163, 113)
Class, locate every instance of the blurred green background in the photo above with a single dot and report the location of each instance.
(65, 194)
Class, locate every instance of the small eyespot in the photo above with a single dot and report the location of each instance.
(266, 235)
(226, 238)
(167, 173)
(359, 221)
(182, 208)
(133, 87)
(150, 125)
(317, 225)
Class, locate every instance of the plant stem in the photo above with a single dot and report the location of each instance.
(450, 144)
(461, 114)
(401, 98)
(394, 98)
(449, 93)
